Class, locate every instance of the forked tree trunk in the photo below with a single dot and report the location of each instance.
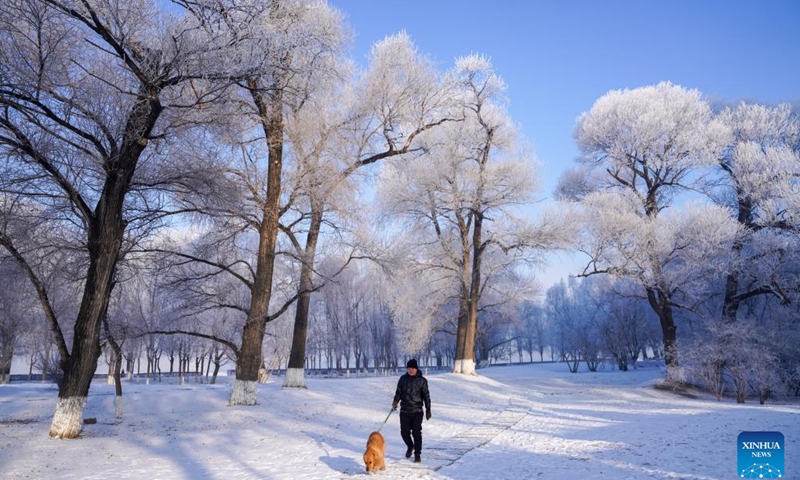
(217, 364)
(81, 364)
(733, 299)
(466, 363)
(104, 240)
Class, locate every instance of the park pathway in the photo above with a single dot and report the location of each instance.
(447, 452)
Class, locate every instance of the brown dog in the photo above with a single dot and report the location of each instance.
(376, 448)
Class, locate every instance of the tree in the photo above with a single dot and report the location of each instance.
(759, 171)
(398, 99)
(379, 326)
(287, 46)
(640, 149)
(495, 335)
(531, 331)
(460, 202)
(269, 95)
(582, 324)
(85, 88)
(622, 324)
(16, 314)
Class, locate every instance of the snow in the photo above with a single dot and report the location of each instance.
(517, 422)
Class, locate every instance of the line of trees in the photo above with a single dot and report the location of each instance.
(202, 169)
(696, 207)
(222, 171)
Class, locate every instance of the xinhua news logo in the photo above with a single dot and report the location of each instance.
(761, 455)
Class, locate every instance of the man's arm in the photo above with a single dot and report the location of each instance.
(426, 396)
(397, 393)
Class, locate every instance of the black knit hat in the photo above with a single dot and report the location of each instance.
(412, 363)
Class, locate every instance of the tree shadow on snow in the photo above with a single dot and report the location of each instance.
(346, 465)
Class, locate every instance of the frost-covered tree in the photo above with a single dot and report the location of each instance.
(383, 347)
(677, 253)
(348, 307)
(531, 333)
(290, 47)
(460, 200)
(640, 149)
(17, 307)
(730, 358)
(310, 34)
(625, 325)
(626, 331)
(495, 336)
(570, 317)
(759, 184)
(757, 181)
(88, 89)
(398, 99)
(417, 298)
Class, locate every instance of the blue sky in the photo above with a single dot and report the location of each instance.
(558, 57)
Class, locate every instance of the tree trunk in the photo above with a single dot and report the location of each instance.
(116, 364)
(270, 109)
(731, 301)
(295, 371)
(463, 363)
(483, 353)
(118, 387)
(461, 333)
(468, 355)
(104, 241)
(110, 375)
(660, 303)
(216, 371)
(81, 364)
(6, 355)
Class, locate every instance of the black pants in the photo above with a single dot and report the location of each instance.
(411, 424)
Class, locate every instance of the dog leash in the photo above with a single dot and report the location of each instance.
(386, 419)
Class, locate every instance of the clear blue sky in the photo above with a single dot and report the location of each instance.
(558, 57)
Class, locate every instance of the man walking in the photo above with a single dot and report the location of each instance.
(412, 393)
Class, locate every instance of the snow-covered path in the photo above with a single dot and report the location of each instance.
(445, 453)
(616, 425)
(535, 421)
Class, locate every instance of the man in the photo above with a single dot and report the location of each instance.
(412, 393)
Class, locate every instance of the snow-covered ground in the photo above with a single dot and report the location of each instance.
(519, 422)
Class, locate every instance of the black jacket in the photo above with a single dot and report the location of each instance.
(412, 392)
